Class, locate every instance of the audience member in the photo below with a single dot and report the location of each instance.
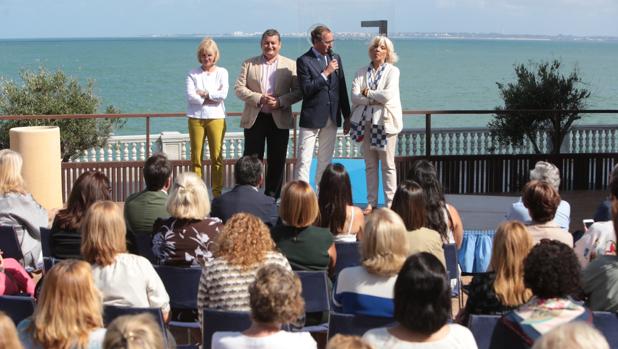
(541, 200)
(8, 333)
(19, 209)
(441, 216)
(124, 279)
(368, 289)
(422, 310)
(502, 287)
(337, 213)
(142, 209)
(243, 247)
(409, 204)
(572, 335)
(65, 240)
(600, 238)
(139, 331)
(185, 239)
(68, 313)
(275, 299)
(245, 196)
(552, 273)
(340, 341)
(546, 172)
(14, 279)
(306, 246)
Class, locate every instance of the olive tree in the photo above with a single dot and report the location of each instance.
(49, 93)
(539, 86)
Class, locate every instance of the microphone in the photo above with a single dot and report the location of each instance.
(332, 56)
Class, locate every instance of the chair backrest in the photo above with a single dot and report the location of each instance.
(144, 247)
(9, 243)
(482, 328)
(315, 290)
(220, 320)
(17, 307)
(110, 312)
(450, 255)
(355, 325)
(348, 255)
(181, 285)
(607, 323)
(45, 241)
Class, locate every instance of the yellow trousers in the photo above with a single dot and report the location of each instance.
(214, 129)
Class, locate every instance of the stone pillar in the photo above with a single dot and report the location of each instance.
(39, 146)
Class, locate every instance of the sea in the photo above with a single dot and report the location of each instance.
(147, 75)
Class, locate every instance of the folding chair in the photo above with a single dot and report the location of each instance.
(315, 293)
(220, 320)
(9, 244)
(482, 328)
(607, 323)
(144, 247)
(348, 255)
(111, 312)
(48, 260)
(17, 307)
(452, 268)
(355, 324)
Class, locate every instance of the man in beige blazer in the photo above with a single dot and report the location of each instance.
(268, 86)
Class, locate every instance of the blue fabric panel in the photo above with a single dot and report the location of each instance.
(355, 303)
(475, 252)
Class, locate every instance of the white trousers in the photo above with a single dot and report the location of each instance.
(326, 137)
(389, 171)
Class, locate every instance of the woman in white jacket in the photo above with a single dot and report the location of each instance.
(377, 119)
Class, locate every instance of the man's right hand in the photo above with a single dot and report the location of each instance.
(332, 66)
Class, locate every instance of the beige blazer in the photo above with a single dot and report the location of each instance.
(248, 88)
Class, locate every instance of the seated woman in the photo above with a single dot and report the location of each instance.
(502, 287)
(19, 209)
(441, 216)
(552, 272)
(124, 279)
(422, 310)
(65, 239)
(368, 289)
(14, 279)
(185, 239)
(306, 246)
(409, 204)
(68, 312)
(134, 331)
(275, 297)
(344, 220)
(572, 335)
(8, 333)
(243, 247)
(542, 200)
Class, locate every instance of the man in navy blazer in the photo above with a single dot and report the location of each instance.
(245, 196)
(325, 99)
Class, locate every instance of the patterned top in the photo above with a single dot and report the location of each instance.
(185, 242)
(225, 286)
(482, 298)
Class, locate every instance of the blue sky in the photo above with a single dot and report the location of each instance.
(113, 18)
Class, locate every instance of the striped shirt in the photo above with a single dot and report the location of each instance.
(359, 292)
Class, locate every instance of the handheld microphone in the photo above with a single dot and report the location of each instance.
(332, 56)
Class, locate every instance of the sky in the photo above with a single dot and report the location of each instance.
(126, 18)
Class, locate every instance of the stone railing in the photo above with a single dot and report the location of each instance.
(444, 141)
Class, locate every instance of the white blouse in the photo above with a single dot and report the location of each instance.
(216, 84)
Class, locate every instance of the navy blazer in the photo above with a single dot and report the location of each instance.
(244, 198)
(322, 99)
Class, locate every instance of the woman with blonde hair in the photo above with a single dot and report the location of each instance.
(306, 246)
(19, 209)
(134, 332)
(124, 279)
(368, 289)
(207, 87)
(243, 247)
(185, 239)
(275, 298)
(340, 341)
(572, 335)
(68, 313)
(8, 333)
(502, 287)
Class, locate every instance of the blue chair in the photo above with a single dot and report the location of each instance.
(316, 295)
(17, 307)
(607, 323)
(355, 325)
(482, 328)
(144, 247)
(111, 312)
(452, 268)
(220, 320)
(348, 255)
(9, 244)
(48, 260)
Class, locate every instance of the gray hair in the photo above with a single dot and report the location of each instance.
(546, 172)
(391, 56)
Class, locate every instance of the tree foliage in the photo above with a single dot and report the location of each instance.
(539, 86)
(50, 93)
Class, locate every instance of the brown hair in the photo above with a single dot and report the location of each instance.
(409, 204)
(244, 241)
(90, 187)
(275, 296)
(384, 247)
(8, 333)
(541, 200)
(340, 341)
(69, 307)
(103, 233)
(299, 205)
(134, 332)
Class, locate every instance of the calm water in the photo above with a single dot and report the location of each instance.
(145, 75)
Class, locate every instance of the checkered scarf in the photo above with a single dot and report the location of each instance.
(378, 132)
